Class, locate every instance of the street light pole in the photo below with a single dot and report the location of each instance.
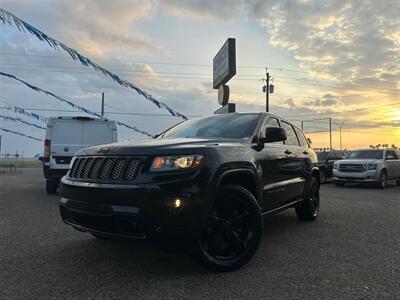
(330, 133)
(267, 90)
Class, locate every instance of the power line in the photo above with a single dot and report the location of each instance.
(294, 81)
(153, 62)
(109, 113)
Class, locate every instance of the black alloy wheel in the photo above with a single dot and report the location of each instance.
(232, 231)
(309, 209)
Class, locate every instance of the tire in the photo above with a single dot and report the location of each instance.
(309, 209)
(51, 187)
(322, 176)
(231, 232)
(382, 180)
(339, 183)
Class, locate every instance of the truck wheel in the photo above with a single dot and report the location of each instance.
(322, 176)
(382, 180)
(51, 187)
(309, 209)
(232, 231)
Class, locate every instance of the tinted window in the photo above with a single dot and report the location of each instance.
(222, 126)
(391, 155)
(270, 122)
(366, 154)
(335, 155)
(291, 135)
(322, 156)
(302, 138)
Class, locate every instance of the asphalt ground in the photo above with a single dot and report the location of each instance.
(351, 252)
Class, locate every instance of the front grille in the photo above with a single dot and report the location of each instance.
(113, 169)
(351, 168)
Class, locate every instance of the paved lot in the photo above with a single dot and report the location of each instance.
(352, 251)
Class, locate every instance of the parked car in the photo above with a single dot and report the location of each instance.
(207, 181)
(67, 135)
(325, 163)
(375, 166)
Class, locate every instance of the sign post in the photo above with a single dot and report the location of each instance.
(224, 68)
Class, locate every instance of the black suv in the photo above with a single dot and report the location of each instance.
(206, 181)
(325, 163)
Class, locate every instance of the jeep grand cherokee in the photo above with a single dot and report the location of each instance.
(208, 181)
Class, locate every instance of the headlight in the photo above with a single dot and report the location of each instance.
(176, 162)
(335, 166)
(371, 166)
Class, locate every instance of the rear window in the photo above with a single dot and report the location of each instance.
(302, 138)
(291, 135)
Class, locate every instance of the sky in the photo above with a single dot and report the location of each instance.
(328, 59)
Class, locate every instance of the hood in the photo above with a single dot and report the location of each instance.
(158, 146)
(358, 161)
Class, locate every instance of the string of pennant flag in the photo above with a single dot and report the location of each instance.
(73, 105)
(11, 19)
(12, 119)
(21, 134)
(25, 112)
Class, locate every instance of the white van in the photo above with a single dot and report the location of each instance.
(67, 135)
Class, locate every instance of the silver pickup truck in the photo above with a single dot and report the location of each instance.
(375, 166)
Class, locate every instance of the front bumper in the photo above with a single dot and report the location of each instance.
(134, 211)
(360, 177)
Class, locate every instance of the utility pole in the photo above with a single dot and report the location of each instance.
(102, 104)
(340, 132)
(267, 88)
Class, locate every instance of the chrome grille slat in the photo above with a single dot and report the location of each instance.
(95, 168)
(118, 168)
(106, 168)
(73, 169)
(86, 168)
(80, 167)
(351, 167)
(131, 170)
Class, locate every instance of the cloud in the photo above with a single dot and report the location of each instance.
(319, 103)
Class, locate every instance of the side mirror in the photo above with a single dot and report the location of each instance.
(274, 134)
(40, 158)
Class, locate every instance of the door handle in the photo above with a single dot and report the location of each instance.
(305, 152)
(288, 152)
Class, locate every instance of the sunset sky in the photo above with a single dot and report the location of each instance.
(337, 59)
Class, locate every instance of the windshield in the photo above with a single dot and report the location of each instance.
(366, 154)
(322, 156)
(235, 126)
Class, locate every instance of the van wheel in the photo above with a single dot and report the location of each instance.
(232, 231)
(309, 209)
(51, 187)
